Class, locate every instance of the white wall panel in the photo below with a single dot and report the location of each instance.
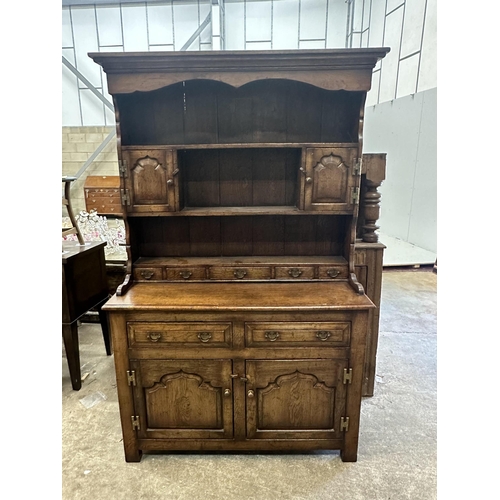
(235, 25)
(312, 44)
(160, 24)
(66, 32)
(413, 25)
(357, 16)
(392, 4)
(407, 77)
(92, 109)
(428, 64)
(135, 29)
(337, 20)
(423, 220)
(377, 23)
(259, 46)
(185, 24)
(285, 24)
(312, 19)
(85, 37)
(109, 25)
(70, 97)
(405, 130)
(372, 95)
(390, 63)
(258, 21)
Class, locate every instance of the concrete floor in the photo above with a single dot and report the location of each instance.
(397, 446)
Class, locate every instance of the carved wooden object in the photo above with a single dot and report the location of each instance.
(242, 323)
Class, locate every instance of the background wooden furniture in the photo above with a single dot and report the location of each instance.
(241, 323)
(102, 194)
(369, 254)
(84, 286)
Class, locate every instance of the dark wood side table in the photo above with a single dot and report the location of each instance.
(84, 286)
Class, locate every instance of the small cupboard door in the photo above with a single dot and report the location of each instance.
(151, 180)
(330, 178)
(300, 399)
(189, 399)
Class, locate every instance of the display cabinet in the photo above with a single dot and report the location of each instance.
(241, 324)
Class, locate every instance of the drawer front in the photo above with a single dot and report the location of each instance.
(332, 272)
(103, 193)
(240, 273)
(299, 334)
(294, 273)
(148, 273)
(151, 334)
(185, 274)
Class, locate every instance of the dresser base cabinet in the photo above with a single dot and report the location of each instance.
(232, 372)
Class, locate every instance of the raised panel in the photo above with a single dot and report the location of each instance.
(150, 180)
(329, 178)
(184, 398)
(301, 399)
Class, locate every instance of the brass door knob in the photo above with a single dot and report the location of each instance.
(227, 392)
(250, 394)
(309, 180)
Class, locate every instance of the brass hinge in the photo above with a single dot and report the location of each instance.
(347, 375)
(356, 169)
(136, 424)
(355, 195)
(131, 377)
(344, 423)
(125, 196)
(122, 167)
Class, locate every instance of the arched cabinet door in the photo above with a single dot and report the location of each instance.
(151, 180)
(183, 399)
(299, 399)
(331, 179)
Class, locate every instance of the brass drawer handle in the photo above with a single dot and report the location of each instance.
(147, 275)
(323, 335)
(185, 274)
(272, 336)
(294, 273)
(240, 273)
(333, 273)
(204, 336)
(154, 336)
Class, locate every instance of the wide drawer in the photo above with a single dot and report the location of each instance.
(144, 334)
(239, 273)
(294, 273)
(298, 334)
(148, 273)
(186, 274)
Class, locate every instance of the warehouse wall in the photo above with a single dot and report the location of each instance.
(408, 27)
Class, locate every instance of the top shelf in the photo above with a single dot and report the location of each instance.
(243, 145)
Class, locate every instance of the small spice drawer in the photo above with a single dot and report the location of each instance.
(148, 273)
(239, 273)
(144, 334)
(298, 334)
(294, 273)
(332, 272)
(185, 274)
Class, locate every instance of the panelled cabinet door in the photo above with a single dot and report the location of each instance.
(330, 179)
(151, 180)
(302, 399)
(189, 399)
